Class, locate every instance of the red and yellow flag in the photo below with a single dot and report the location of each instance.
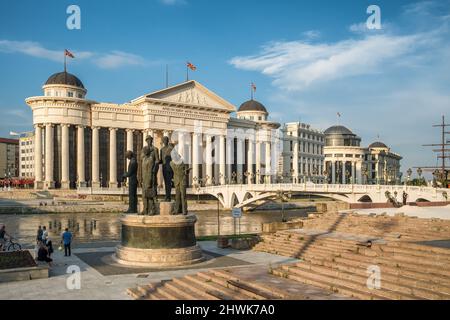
(191, 66)
(68, 54)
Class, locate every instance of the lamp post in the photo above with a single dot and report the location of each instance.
(409, 173)
(284, 197)
(419, 173)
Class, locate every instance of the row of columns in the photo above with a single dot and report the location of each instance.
(355, 173)
(224, 148)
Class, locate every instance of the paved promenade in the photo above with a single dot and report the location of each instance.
(102, 279)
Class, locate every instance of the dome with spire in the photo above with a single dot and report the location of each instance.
(378, 144)
(252, 105)
(337, 136)
(64, 78)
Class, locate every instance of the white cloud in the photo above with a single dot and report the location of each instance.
(172, 2)
(111, 60)
(35, 49)
(312, 34)
(296, 65)
(393, 82)
(117, 59)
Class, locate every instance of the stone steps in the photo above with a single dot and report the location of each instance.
(422, 280)
(394, 276)
(313, 280)
(338, 262)
(347, 280)
(387, 282)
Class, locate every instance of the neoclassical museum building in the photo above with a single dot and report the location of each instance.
(80, 142)
(347, 162)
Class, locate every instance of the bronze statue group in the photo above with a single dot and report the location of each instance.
(174, 172)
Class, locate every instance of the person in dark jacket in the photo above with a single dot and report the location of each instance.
(43, 254)
(39, 234)
(131, 174)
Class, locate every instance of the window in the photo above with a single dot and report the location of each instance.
(80, 96)
(70, 94)
(260, 118)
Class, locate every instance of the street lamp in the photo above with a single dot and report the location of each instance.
(284, 197)
(419, 173)
(409, 173)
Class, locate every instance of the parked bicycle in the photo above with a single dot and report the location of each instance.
(11, 245)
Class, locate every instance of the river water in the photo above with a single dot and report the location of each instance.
(89, 227)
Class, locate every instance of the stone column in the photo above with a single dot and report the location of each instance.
(295, 159)
(208, 158)
(359, 172)
(258, 162)
(268, 163)
(353, 172)
(230, 158)
(196, 139)
(250, 155)
(112, 158)
(222, 164)
(65, 181)
(343, 172)
(49, 183)
(144, 136)
(182, 146)
(333, 172)
(240, 146)
(129, 143)
(81, 157)
(95, 158)
(38, 157)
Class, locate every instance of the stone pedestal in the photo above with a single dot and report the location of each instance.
(158, 241)
(166, 208)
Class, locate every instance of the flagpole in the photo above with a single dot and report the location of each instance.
(167, 75)
(251, 92)
(65, 68)
(187, 73)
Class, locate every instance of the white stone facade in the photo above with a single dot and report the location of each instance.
(303, 158)
(346, 162)
(26, 155)
(80, 142)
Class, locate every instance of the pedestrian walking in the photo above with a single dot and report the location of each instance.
(44, 235)
(67, 240)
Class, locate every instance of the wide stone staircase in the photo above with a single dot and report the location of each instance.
(344, 263)
(238, 283)
(399, 227)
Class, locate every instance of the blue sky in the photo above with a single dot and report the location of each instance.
(309, 59)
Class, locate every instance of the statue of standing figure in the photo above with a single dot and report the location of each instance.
(166, 158)
(180, 171)
(150, 164)
(131, 174)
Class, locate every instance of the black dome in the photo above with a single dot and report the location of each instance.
(65, 78)
(378, 144)
(252, 105)
(338, 130)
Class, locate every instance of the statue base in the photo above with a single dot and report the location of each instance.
(158, 241)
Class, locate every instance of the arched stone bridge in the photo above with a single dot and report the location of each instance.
(250, 195)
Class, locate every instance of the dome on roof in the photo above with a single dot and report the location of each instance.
(252, 105)
(66, 79)
(338, 130)
(378, 144)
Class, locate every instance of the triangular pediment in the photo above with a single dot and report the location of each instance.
(192, 92)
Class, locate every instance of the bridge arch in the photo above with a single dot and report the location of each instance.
(365, 198)
(234, 200)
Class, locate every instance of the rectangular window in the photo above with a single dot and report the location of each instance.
(70, 94)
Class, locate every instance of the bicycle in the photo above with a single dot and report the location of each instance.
(10, 245)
